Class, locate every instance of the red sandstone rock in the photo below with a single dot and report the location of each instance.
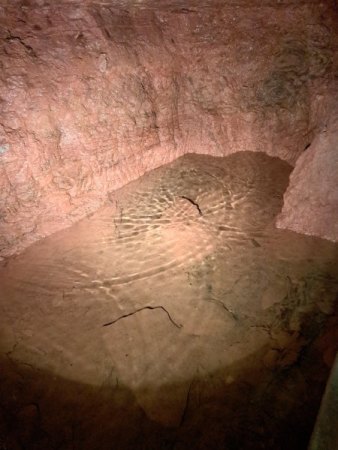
(93, 95)
(311, 200)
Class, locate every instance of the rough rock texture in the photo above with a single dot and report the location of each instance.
(311, 201)
(94, 94)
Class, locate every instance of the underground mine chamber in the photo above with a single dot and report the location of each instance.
(168, 225)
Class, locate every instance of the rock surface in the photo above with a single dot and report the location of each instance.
(311, 200)
(93, 95)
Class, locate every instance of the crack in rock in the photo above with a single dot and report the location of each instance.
(186, 405)
(177, 325)
(29, 49)
(226, 308)
(197, 206)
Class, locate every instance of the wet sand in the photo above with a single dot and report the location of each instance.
(175, 317)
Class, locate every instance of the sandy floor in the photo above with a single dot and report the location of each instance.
(176, 317)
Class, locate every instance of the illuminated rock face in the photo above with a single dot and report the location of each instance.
(311, 201)
(94, 95)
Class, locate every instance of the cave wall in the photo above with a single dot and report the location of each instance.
(311, 200)
(94, 94)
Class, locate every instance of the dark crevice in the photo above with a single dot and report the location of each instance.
(186, 406)
(193, 203)
(177, 325)
(183, 11)
(29, 49)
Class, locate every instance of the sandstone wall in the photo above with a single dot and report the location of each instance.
(94, 94)
(311, 200)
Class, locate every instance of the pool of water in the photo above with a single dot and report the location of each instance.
(175, 317)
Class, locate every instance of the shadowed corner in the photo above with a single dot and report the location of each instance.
(325, 433)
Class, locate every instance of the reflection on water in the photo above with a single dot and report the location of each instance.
(180, 291)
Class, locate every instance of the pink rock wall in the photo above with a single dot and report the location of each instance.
(94, 94)
(311, 200)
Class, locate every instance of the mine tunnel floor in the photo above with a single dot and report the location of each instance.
(175, 317)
